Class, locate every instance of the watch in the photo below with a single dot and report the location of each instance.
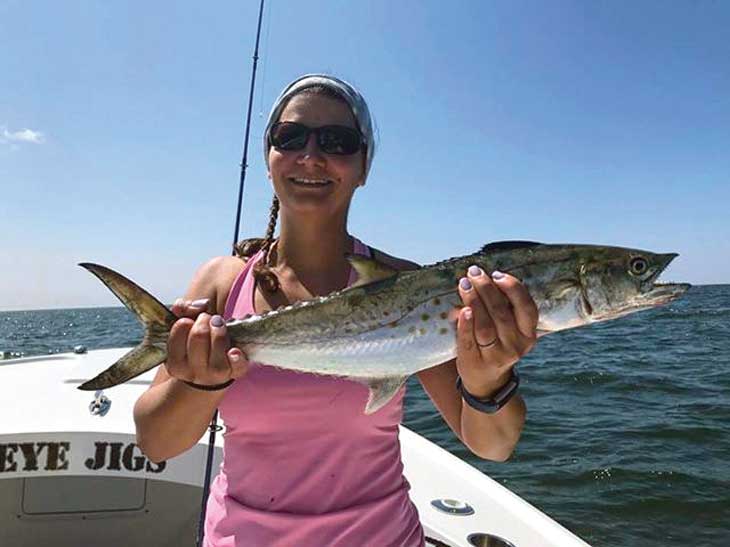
(492, 404)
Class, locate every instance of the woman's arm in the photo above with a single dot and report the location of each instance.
(489, 436)
(171, 416)
(496, 327)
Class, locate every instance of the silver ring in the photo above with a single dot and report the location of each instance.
(488, 345)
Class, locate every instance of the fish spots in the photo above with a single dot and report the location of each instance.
(425, 317)
(443, 330)
(386, 313)
(444, 315)
(393, 324)
(421, 331)
(411, 330)
(437, 301)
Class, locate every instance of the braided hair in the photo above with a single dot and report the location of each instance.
(262, 272)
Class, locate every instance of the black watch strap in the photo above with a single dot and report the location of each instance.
(496, 401)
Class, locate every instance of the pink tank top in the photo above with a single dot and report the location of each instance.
(303, 465)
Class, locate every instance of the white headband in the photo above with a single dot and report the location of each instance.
(349, 94)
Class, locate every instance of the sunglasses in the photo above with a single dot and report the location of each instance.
(331, 139)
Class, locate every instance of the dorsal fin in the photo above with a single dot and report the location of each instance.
(508, 245)
(369, 270)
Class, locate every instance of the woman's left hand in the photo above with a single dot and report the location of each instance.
(496, 327)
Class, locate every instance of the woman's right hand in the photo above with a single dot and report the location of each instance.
(199, 349)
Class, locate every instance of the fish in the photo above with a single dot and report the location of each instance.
(391, 324)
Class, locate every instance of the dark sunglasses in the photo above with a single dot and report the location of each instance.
(331, 139)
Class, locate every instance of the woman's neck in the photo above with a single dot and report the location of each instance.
(314, 253)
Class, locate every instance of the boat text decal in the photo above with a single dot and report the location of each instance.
(56, 456)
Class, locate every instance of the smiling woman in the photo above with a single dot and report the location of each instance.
(344, 144)
(303, 465)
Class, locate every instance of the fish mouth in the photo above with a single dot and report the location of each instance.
(654, 293)
(651, 293)
(662, 293)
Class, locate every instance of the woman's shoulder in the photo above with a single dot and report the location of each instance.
(221, 267)
(400, 264)
(214, 279)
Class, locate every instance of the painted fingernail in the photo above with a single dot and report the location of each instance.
(465, 284)
(200, 303)
(496, 274)
(217, 321)
(475, 271)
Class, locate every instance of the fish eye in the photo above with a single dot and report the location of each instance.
(638, 265)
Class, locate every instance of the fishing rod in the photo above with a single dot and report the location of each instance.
(244, 159)
(214, 427)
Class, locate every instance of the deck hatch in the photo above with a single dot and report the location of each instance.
(71, 495)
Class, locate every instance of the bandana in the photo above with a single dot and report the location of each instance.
(349, 94)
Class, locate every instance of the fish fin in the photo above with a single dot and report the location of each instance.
(508, 245)
(369, 270)
(135, 362)
(155, 317)
(382, 390)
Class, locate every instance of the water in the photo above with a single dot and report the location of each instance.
(627, 440)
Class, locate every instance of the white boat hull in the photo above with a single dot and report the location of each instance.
(70, 478)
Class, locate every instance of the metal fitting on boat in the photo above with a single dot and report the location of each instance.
(79, 349)
(453, 507)
(100, 405)
(481, 539)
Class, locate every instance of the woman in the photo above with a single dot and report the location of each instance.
(303, 465)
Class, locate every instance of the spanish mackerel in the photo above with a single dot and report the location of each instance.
(390, 324)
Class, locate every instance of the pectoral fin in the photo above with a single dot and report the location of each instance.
(382, 390)
(369, 270)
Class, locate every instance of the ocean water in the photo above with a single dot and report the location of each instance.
(627, 440)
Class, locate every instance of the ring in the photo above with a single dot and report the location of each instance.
(488, 345)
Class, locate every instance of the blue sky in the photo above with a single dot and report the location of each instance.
(121, 129)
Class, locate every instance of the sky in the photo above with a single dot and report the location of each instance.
(122, 123)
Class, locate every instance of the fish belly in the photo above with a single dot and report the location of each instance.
(423, 338)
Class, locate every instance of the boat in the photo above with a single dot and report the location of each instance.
(71, 473)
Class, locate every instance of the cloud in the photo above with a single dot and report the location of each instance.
(22, 136)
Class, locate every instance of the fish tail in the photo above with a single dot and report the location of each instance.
(155, 317)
